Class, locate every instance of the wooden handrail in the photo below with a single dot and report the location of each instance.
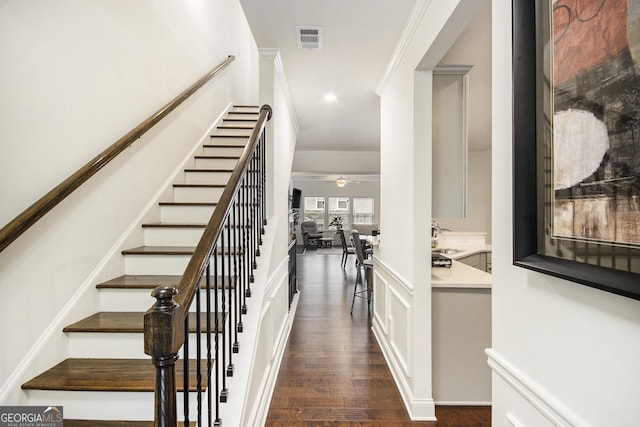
(33, 213)
(198, 263)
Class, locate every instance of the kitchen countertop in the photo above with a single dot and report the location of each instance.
(465, 252)
(460, 275)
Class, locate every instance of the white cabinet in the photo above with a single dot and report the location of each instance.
(461, 332)
(449, 142)
(481, 261)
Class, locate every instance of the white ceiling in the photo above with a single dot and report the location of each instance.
(359, 39)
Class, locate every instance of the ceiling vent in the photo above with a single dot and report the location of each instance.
(309, 37)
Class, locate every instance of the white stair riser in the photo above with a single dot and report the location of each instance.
(191, 194)
(174, 236)
(154, 236)
(236, 120)
(132, 406)
(220, 178)
(233, 132)
(127, 345)
(232, 115)
(249, 109)
(233, 146)
(228, 140)
(125, 299)
(186, 214)
(159, 264)
(141, 300)
(212, 150)
(215, 163)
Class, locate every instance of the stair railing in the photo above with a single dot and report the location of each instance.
(33, 213)
(222, 267)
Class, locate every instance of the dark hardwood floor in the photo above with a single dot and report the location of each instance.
(333, 372)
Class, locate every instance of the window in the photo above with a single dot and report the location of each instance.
(363, 210)
(353, 210)
(339, 206)
(314, 210)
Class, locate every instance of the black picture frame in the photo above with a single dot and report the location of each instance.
(527, 201)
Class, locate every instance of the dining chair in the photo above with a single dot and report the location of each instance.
(367, 264)
(346, 249)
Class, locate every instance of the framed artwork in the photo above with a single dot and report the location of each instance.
(576, 95)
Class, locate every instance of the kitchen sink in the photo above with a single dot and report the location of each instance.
(446, 251)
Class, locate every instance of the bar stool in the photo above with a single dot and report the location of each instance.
(367, 264)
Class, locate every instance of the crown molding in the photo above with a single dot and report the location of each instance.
(273, 54)
(418, 11)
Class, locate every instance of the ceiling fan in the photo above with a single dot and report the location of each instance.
(342, 181)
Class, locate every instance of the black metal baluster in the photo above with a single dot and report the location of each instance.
(198, 355)
(230, 319)
(254, 211)
(240, 254)
(259, 195)
(250, 241)
(185, 392)
(223, 351)
(208, 326)
(263, 151)
(216, 336)
(246, 290)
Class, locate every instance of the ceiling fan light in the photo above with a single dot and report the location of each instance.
(341, 182)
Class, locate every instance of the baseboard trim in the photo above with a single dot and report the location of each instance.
(458, 403)
(537, 396)
(418, 409)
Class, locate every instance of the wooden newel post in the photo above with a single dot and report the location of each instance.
(163, 337)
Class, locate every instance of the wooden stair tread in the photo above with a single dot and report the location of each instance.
(114, 423)
(235, 127)
(171, 225)
(229, 136)
(209, 204)
(241, 120)
(144, 281)
(131, 322)
(107, 375)
(218, 157)
(208, 170)
(182, 225)
(165, 250)
(160, 250)
(199, 185)
(218, 145)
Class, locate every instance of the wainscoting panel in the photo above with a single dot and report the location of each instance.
(393, 328)
(521, 402)
(272, 333)
(399, 330)
(380, 301)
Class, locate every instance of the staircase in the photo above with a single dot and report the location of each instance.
(108, 380)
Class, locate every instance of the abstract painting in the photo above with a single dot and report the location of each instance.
(595, 77)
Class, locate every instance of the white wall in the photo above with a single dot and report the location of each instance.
(281, 136)
(337, 162)
(473, 47)
(402, 321)
(478, 197)
(559, 348)
(75, 76)
(275, 318)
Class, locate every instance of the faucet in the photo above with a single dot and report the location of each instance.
(435, 230)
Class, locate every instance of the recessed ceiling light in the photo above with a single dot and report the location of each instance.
(330, 97)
